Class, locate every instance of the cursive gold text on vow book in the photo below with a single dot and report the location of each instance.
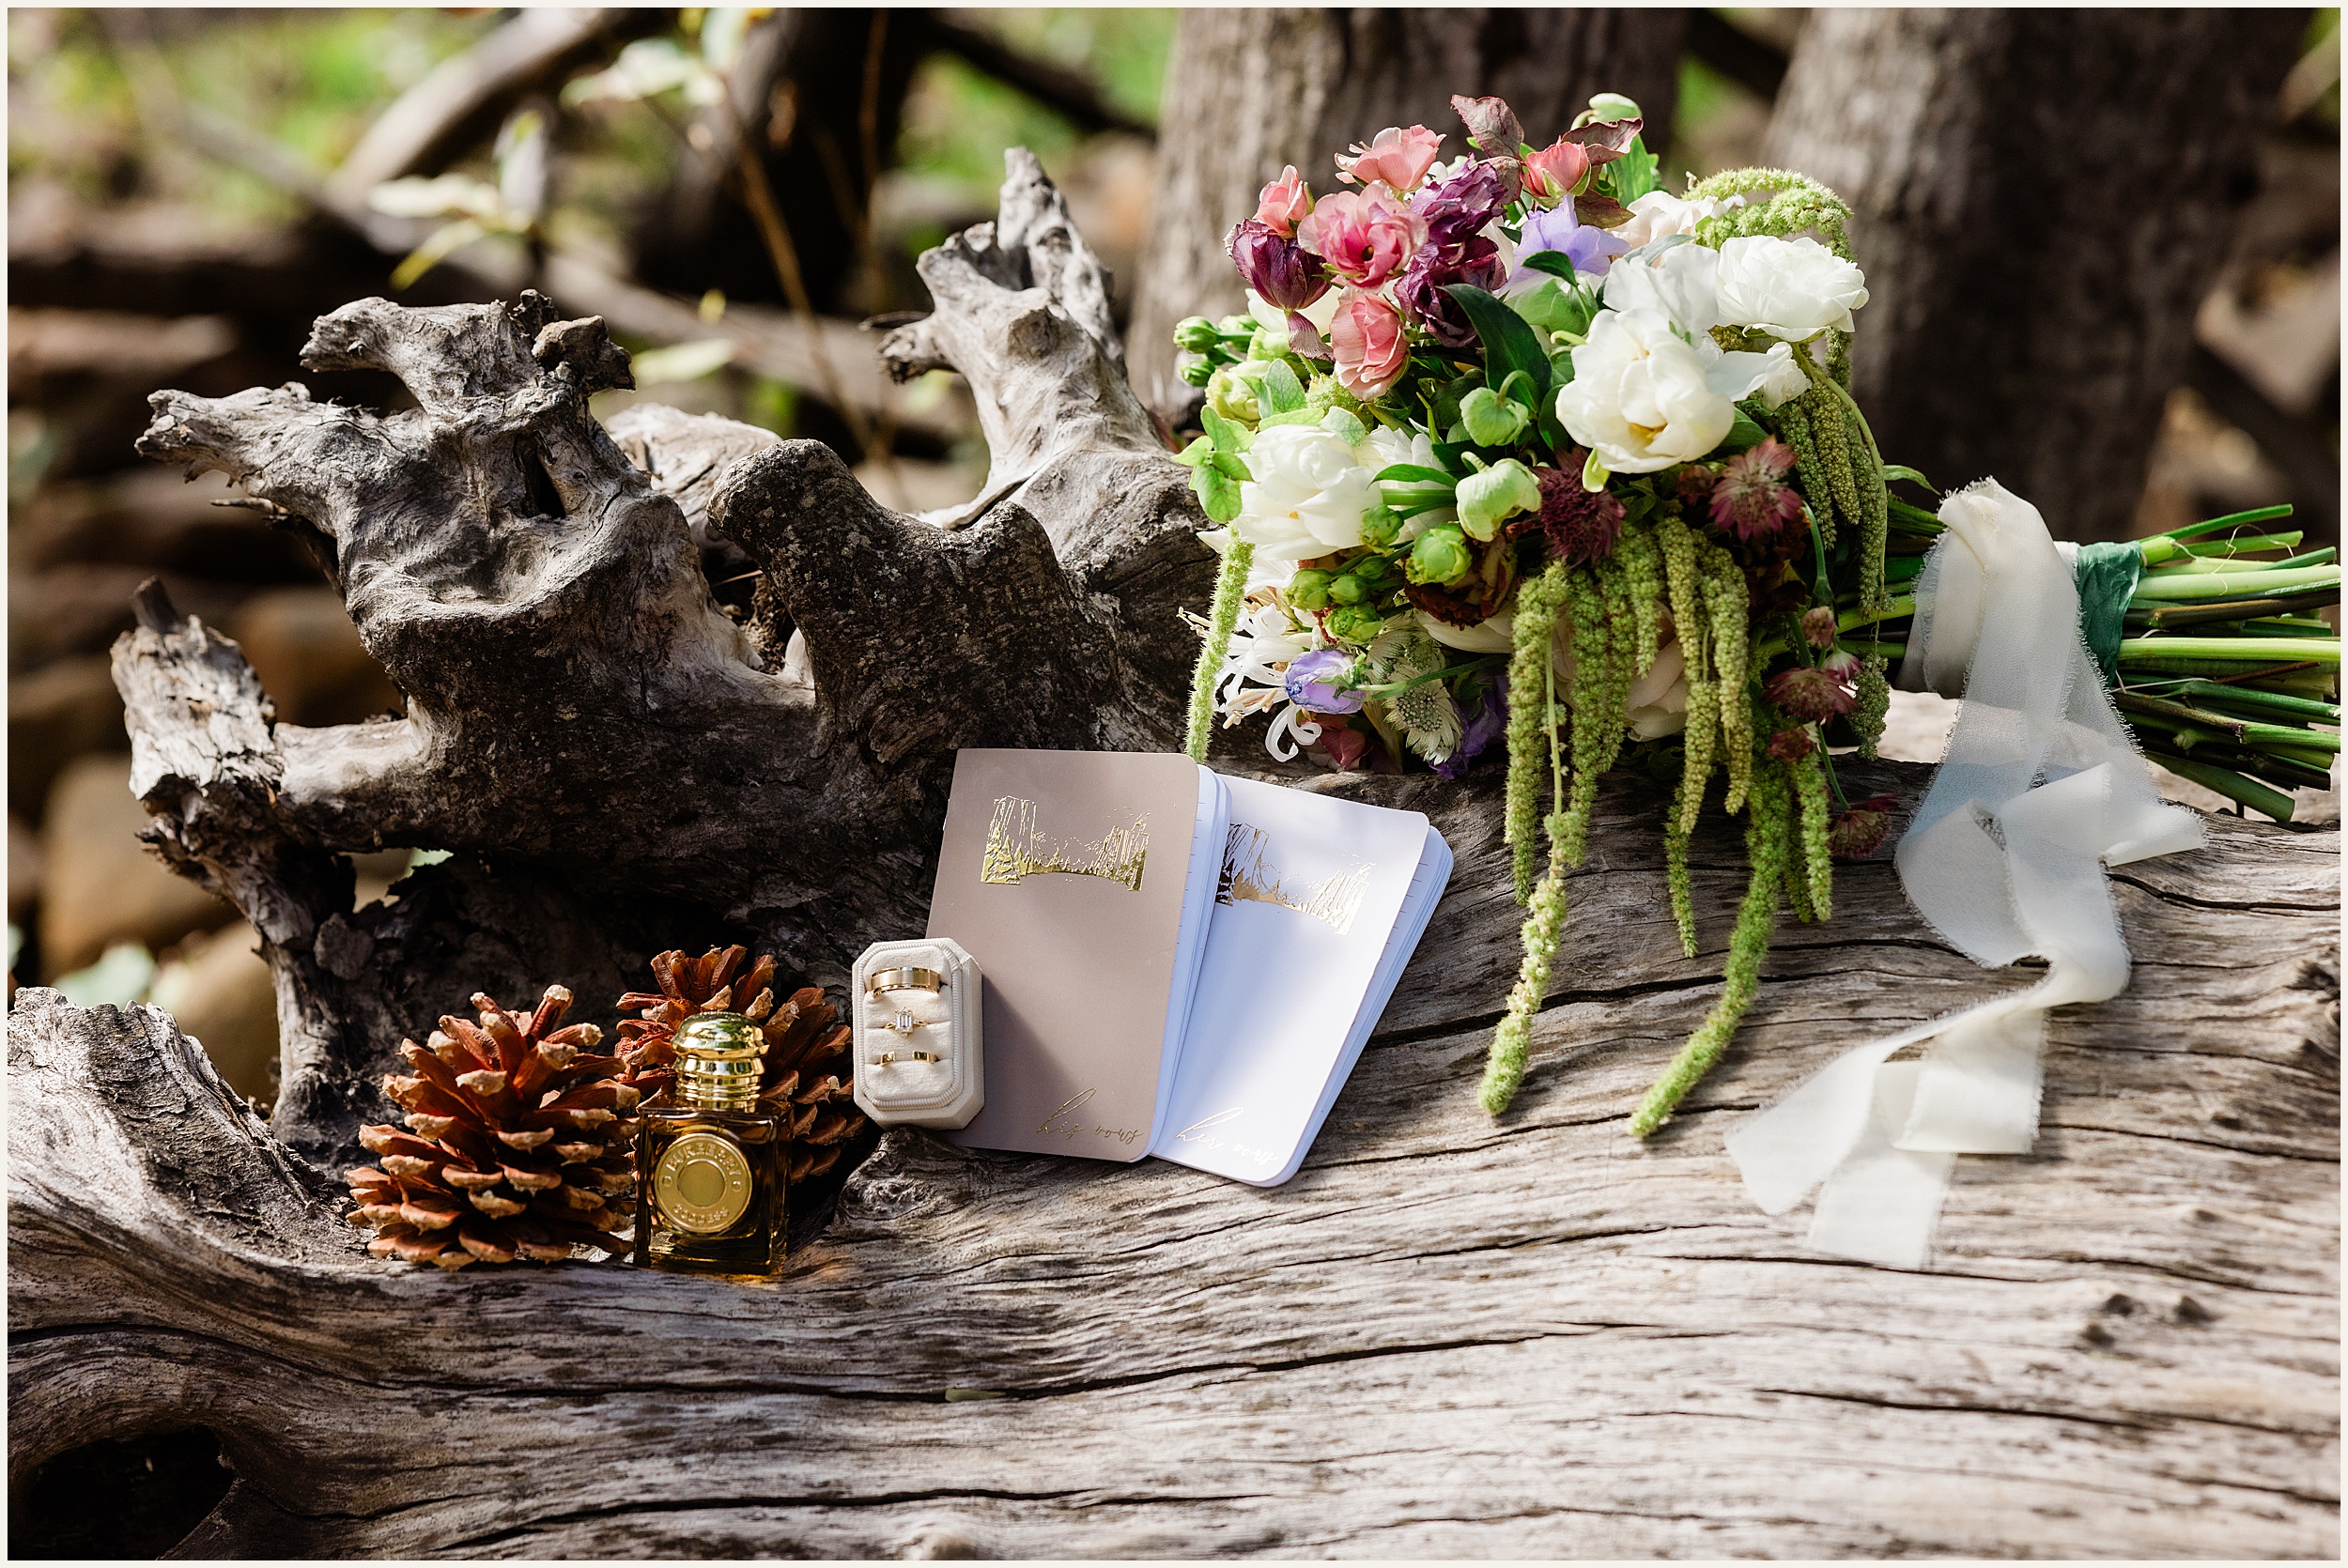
(1016, 848)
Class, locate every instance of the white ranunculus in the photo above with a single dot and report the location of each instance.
(1658, 213)
(1785, 380)
(1679, 281)
(1307, 496)
(1789, 289)
(1644, 398)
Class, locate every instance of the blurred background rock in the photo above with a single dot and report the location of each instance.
(188, 190)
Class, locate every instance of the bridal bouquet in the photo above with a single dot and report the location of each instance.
(1519, 447)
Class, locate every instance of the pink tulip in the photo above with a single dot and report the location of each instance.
(1372, 353)
(1364, 237)
(1284, 202)
(1555, 170)
(1399, 157)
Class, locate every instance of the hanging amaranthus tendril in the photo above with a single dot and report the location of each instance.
(1676, 874)
(1622, 653)
(1231, 591)
(1767, 843)
(1544, 927)
(1529, 742)
(1725, 600)
(1689, 619)
(1793, 422)
(1873, 706)
(1590, 685)
(1810, 789)
(1641, 572)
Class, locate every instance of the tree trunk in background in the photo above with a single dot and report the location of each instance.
(2042, 198)
(1250, 90)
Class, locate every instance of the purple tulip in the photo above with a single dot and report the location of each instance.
(1484, 726)
(1311, 682)
(1589, 248)
(1457, 210)
(1287, 276)
(1421, 294)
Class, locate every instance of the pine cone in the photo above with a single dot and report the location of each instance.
(521, 1144)
(806, 1047)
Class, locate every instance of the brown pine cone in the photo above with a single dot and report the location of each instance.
(520, 1143)
(807, 1046)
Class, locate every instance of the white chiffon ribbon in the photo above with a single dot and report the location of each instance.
(2040, 790)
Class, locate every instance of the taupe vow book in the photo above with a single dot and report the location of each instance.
(1082, 882)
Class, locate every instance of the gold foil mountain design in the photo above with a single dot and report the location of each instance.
(1016, 848)
(1248, 878)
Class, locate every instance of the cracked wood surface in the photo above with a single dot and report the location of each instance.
(1447, 1336)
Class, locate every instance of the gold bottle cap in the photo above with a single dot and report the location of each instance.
(719, 1061)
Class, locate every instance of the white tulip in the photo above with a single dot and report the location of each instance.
(1645, 398)
(1789, 289)
(1307, 496)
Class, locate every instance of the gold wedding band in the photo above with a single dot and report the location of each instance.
(906, 980)
(887, 1058)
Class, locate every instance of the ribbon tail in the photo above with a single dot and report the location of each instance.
(1787, 1149)
(1882, 1201)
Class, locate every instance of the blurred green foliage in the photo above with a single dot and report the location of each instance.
(958, 121)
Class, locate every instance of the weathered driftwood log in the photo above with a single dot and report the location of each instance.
(1447, 1336)
(619, 766)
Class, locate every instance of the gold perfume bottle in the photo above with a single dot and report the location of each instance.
(709, 1167)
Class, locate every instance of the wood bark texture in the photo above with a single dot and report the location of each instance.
(1250, 90)
(2041, 199)
(1447, 1336)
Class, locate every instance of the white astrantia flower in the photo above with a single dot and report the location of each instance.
(1644, 398)
(1426, 715)
(1658, 213)
(1307, 496)
(1789, 289)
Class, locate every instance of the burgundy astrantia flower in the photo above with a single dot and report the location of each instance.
(1791, 746)
(1859, 832)
(1581, 525)
(1420, 290)
(1818, 625)
(1809, 694)
(1289, 276)
(1752, 498)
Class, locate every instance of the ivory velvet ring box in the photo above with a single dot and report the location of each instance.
(916, 1028)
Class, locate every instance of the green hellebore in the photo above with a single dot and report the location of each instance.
(1308, 589)
(1493, 419)
(1501, 491)
(1355, 623)
(1439, 556)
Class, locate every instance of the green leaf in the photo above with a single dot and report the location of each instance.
(1741, 434)
(1414, 473)
(1635, 173)
(1510, 344)
(1231, 465)
(1218, 493)
(1199, 450)
(1556, 263)
(1283, 393)
(1294, 416)
(1900, 470)
(1226, 436)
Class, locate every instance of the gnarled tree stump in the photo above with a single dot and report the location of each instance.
(1447, 1335)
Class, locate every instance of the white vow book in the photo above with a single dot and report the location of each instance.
(1319, 907)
